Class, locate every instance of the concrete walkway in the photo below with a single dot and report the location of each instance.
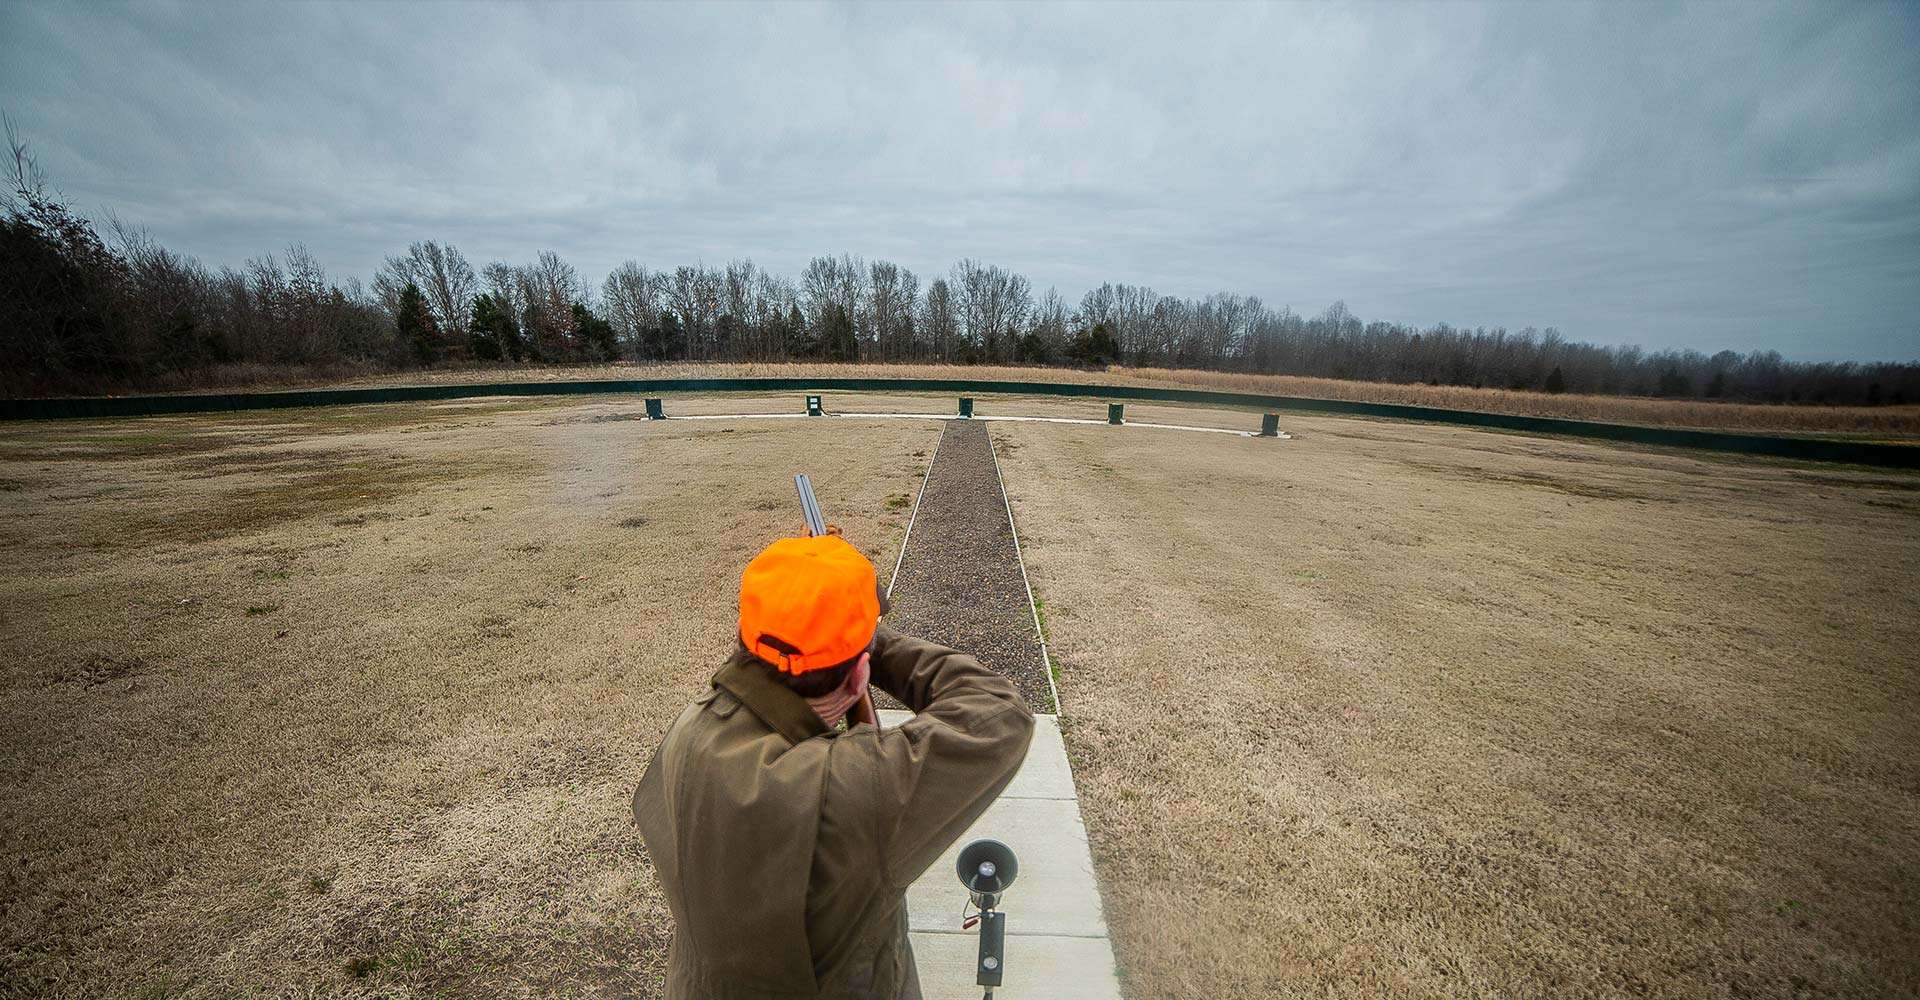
(1057, 943)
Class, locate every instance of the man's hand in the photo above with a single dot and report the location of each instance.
(835, 704)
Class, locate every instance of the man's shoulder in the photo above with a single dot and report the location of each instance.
(718, 731)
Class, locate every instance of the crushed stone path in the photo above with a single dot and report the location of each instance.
(959, 581)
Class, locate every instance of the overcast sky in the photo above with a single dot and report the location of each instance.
(1731, 176)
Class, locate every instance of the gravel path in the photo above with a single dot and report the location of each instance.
(960, 582)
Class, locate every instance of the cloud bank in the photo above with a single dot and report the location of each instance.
(1728, 176)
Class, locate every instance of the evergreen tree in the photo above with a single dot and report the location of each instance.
(414, 324)
(493, 332)
(1556, 380)
(595, 334)
(837, 340)
(662, 340)
(1094, 346)
(796, 342)
(58, 284)
(1674, 382)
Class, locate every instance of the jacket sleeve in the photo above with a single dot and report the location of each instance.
(941, 769)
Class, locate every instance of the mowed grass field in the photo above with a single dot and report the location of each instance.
(350, 702)
(1409, 711)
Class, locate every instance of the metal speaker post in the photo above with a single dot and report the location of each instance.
(987, 868)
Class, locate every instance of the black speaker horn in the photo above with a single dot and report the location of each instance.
(987, 867)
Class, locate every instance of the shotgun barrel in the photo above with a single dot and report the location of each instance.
(816, 526)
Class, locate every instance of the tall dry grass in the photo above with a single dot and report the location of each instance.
(1890, 421)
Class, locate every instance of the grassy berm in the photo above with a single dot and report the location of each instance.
(350, 702)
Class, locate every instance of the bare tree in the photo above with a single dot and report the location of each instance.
(631, 298)
(830, 283)
(1049, 326)
(993, 306)
(694, 295)
(547, 290)
(893, 292)
(444, 277)
(941, 321)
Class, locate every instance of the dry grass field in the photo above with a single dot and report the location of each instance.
(350, 702)
(1877, 423)
(1407, 711)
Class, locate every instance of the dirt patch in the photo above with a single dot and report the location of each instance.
(263, 505)
(47, 443)
(960, 582)
(1903, 485)
(1569, 484)
(93, 671)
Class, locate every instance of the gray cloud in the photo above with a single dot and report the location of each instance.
(1726, 176)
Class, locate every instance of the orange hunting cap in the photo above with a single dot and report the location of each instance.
(808, 603)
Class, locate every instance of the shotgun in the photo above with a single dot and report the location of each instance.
(817, 525)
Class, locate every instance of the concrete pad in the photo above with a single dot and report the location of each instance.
(1038, 968)
(1057, 942)
(1043, 775)
(1054, 892)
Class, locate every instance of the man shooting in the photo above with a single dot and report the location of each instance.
(784, 843)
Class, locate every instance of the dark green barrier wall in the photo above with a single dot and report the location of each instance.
(1898, 456)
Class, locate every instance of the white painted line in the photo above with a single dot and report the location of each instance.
(1046, 661)
(737, 416)
(904, 539)
(1283, 436)
(1185, 427)
(1046, 420)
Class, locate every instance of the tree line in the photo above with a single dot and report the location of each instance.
(82, 311)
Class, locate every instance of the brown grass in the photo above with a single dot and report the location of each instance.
(1390, 710)
(362, 713)
(1869, 421)
(260, 378)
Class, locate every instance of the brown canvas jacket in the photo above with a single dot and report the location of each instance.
(785, 849)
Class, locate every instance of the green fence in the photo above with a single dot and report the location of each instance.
(1810, 449)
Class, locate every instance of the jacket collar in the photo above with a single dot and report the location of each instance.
(783, 711)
